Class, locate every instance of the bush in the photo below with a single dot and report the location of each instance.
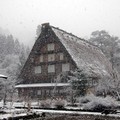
(55, 103)
(99, 104)
(86, 99)
(59, 103)
(45, 103)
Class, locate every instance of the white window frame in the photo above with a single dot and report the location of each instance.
(50, 46)
(51, 57)
(38, 69)
(51, 68)
(65, 67)
(61, 56)
(41, 58)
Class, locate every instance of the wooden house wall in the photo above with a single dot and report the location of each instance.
(28, 74)
(45, 93)
(40, 48)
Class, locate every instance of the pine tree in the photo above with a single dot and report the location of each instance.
(16, 47)
(79, 82)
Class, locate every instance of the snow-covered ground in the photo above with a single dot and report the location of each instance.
(14, 112)
(11, 111)
(2, 116)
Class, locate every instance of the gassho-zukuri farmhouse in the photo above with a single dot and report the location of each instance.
(56, 51)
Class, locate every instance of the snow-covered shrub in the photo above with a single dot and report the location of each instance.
(46, 103)
(59, 103)
(86, 99)
(100, 103)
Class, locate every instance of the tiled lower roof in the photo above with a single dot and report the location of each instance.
(42, 85)
(3, 76)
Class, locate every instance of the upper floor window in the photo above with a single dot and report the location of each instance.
(51, 57)
(61, 56)
(47, 92)
(50, 46)
(39, 92)
(41, 58)
(38, 69)
(65, 67)
(51, 68)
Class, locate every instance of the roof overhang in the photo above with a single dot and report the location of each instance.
(3, 76)
(40, 85)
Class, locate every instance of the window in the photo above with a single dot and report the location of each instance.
(60, 91)
(51, 68)
(51, 57)
(41, 58)
(47, 92)
(38, 69)
(65, 67)
(50, 46)
(39, 92)
(61, 56)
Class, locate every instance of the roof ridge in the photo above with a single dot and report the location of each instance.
(68, 33)
(75, 36)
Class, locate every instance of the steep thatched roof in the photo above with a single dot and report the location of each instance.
(86, 56)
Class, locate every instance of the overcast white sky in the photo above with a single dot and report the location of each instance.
(80, 17)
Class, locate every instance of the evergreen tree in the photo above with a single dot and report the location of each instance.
(10, 44)
(16, 47)
(3, 42)
(38, 30)
(79, 82)
(12, 58)
(22, 55)
(110, 46)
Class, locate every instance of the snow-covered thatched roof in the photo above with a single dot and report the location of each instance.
(87, 57)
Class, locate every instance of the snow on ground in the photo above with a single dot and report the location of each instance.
(12, 111)
(11, 115)
(64, 112)
(39, 111)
